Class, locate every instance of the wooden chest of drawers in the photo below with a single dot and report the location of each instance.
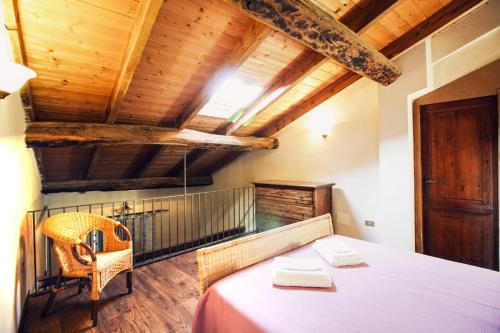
(285, 202)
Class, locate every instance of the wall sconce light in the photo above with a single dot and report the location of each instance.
(324, 130)
(13, 77)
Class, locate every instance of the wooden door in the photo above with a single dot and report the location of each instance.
(460, 175)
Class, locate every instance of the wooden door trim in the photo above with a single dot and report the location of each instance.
(418, 180)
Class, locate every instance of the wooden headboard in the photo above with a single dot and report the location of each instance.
(221, 260)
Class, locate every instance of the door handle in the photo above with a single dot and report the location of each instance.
(430, 181)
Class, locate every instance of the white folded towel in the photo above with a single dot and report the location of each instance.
(300, 272)
(336, 253)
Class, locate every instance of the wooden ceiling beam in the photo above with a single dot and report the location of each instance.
(223, 161)
(139, 36)
(356, 19)
(310, 103)
(123, 184)
(141, 169)
(92, 166)
(436, 21)
(419, 32)
(191, 158)
(251, 40)
(295, 72)
(365, 12)
(310, 25)
(61, 134)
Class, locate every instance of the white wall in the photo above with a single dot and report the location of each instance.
(395, 157)
(19, 192)
(348, 156)
(439, 60)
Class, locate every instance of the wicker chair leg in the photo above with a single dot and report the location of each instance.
(94, 312)
(81, 284)
(52, 296)
(129, 282)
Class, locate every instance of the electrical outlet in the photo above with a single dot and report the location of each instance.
(343, 218)
(369, 223)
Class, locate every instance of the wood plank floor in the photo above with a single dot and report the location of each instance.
(163, 300)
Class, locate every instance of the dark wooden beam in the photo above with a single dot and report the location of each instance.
(191, 158)
(251, 40)
(222, 162)
(356, 19)
(365, 12)
(433, 23)
(40, 163)
(92, 166)
(123, 184)
(60, 134)
(310, 25)
(143, 166)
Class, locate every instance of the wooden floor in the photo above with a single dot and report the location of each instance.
(163, 300)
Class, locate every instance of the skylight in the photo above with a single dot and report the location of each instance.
(231, 96)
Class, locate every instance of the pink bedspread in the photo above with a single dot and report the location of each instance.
(397, 291)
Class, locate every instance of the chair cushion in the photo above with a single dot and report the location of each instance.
(111, 263)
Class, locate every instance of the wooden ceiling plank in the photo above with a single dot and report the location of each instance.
(123, 184)
(251, 40)
(137, 42)
(307, 23)
(356, 19)
(13, 26)
(436, 21)
(61, 134)
(422, 30)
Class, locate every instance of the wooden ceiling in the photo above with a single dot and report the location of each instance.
(156, 63)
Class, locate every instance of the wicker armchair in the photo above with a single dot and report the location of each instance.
(67, 233)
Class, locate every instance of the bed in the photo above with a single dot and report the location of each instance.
(395, 291)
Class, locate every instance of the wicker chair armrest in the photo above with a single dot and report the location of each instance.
(125, 230)
(79, 258)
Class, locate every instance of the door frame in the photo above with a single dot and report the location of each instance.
(418, 180)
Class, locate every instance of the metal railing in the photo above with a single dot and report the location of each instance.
(161, 227)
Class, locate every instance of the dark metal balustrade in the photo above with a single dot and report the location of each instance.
(160, 227)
